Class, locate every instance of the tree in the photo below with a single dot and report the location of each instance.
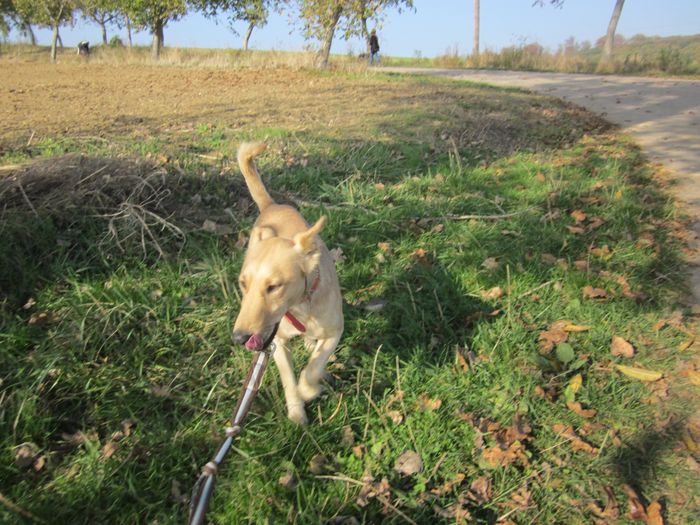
(49, 13)
(606, 57)
(154, 16)
(321, 18)
(254, 12)
(102, 12)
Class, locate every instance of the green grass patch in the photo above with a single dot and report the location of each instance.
(118, 371)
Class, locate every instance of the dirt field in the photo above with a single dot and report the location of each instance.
(73, 100)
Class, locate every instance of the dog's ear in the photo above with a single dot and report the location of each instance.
(305, 244)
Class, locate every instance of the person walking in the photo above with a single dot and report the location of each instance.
(373, 48)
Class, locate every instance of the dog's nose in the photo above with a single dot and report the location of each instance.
(240, 337)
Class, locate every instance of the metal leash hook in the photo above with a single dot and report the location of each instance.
(204, 487)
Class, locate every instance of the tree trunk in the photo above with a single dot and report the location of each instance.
(54, 39)
(246, 38)
(128, 30)
(60, 40)
(325, 51)
(27, 29)
(365, 35)
(157, 43)
(104, 32)
(606, 57)
(475, 52)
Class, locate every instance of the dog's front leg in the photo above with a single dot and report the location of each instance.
(295, 404)
(310, 378)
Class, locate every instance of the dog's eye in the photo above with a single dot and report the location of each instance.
(273, 287)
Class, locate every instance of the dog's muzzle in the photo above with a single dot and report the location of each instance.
(255, 342)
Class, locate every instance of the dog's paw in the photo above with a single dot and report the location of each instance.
(297, 414)
(308, 390)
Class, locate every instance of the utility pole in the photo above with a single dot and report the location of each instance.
(475, 52)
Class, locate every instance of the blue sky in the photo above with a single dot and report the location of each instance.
(439, 26)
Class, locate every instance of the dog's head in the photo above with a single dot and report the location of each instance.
(274, 277)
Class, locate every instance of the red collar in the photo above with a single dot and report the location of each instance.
(307, 297)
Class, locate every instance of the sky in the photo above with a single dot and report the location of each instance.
(434, 27)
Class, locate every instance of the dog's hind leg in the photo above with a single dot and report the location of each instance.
(285, 366)
(310, 378)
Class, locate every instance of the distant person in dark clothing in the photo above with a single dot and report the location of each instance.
(373, 48)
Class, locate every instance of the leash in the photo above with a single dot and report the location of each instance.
(204, 487)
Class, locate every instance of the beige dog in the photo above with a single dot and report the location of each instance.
(288, 278)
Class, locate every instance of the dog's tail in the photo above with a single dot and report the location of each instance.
(246, 153)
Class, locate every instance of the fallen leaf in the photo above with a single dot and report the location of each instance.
(108, 449)
(576, 230)
(578, 215)
(594, 223)
(395, 416)
(636, 507)
(428, 405)
(576, 442)
(39, 463)
(492, 293)
(639, 373)
(318, 464)
(358, 451)
(694, 377)
(682, 347)
(480, 490)
(575, 384)
(495, 457)
(576, 407)
(371, 489)
(288, 481)
(448, 486)
(654, 516)
(408, 463)
(621, 348)
(603, 251)
(25, 454)
(548, 258)
(348, 438)
(490, 263)
(556, 334)
(570, 327)
(581, 265)
(594, 293)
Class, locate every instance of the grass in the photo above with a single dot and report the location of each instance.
(118, 372)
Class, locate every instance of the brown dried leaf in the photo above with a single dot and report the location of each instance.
(395, 416)
(581, 265)
(348, 438)
(556, 334)
(448, 486)
(578, 215)
(603, 251)
(480, 490)
(654, 516)
(408, 463)
(490, 263)
(318, 464)
(636, 507)
(621, 348)
(427, 404)
(576, 407)
(576, 230)
(577, 443)
(594, 293)
(108, 449)
(493, 293)
(288, 480)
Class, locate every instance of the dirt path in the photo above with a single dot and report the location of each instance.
(662, 115)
